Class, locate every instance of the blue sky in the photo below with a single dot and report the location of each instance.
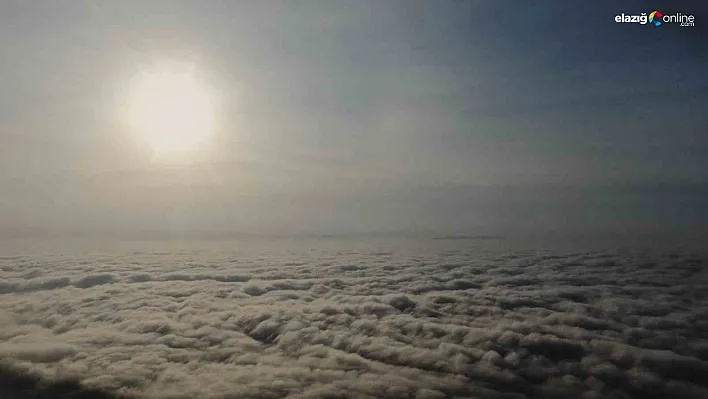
(498, 116)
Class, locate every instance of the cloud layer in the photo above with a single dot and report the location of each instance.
(307, 319)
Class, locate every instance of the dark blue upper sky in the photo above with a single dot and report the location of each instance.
(361, 116)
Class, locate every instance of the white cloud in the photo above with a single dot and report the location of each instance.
(331, 322)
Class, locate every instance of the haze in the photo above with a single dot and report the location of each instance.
(356, 117)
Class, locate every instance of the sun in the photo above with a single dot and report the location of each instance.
(171, 110)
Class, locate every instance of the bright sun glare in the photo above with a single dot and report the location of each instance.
(173, 111)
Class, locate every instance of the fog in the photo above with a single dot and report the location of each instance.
(271, 318)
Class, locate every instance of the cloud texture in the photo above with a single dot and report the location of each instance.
(329, 319)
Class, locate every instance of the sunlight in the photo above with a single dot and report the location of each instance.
(173, 111)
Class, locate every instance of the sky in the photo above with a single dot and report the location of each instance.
(334, 117)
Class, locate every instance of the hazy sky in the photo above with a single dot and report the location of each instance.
(359, 116)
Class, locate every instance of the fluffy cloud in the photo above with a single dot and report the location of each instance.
(336, 319)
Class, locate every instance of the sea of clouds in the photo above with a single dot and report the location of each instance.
(365, 319)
